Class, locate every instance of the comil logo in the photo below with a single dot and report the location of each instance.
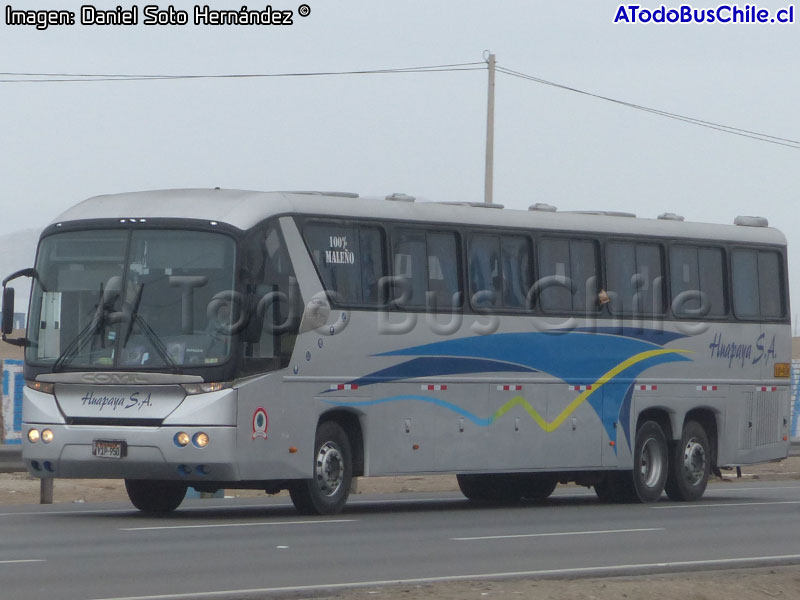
(114, 378)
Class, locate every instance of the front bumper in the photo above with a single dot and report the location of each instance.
(152, 453)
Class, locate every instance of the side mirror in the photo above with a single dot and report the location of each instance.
(316, 313)
(8, 311)
(7, 324)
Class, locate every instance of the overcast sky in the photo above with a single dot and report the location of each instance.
(421, 134)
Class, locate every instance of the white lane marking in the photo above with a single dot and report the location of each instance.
(21, 560)
(608, 570)
(717, 505)
(554, 534)
(256, 524)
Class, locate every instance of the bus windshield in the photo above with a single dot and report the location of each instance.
(132, 299)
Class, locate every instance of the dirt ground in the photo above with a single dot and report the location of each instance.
(750, 584)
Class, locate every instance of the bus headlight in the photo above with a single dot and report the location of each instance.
(204, 388)
(33, 435)
(200, 440)
(47, 436)
(182, 438)
(40, 386)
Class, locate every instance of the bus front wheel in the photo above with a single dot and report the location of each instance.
(326, 493)
(155, 496)
(690, 464)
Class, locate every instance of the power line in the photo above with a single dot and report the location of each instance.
(25, 77)
(97, 77)
(755, 135)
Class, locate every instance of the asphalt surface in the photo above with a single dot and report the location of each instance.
(256, 548)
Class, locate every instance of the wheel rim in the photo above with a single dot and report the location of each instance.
(651, 462)
(330, 468)
(694, 462)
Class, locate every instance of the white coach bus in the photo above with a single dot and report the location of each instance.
(233, 339)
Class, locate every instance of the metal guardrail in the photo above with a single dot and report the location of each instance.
(11, 459)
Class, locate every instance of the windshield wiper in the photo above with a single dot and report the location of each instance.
(152, 336)
(148, 331)
(85, 334)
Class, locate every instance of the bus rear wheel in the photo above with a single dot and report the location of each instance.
(645, 483)
(327, 492)
(155, 496)
(690, 464)
(650, 462)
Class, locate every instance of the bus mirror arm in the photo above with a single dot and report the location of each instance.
(29, 272)
(7, 325)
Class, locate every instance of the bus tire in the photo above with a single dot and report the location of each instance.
(491, 488)
(650, 462)
(538, 486)
(155, 496)
(327, 492)
(690, 464)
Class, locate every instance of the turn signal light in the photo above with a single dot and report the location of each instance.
(40, 386)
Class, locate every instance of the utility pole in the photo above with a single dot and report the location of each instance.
(489, 178)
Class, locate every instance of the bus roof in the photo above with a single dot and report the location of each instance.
(244, 209)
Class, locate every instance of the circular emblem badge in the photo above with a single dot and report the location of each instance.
(260, 423)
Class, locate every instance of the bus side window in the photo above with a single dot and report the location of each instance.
(443, 281)
(770, 285)
(516, 271)
(336, 253)
(372, 264)
(410, 267)
(425, 264)
(635, 278)
(568, 269)
(713, 284)
(758, 287)
(484, 285)
(276, 304)
(697, 282)
(499, 271)
(744, 271)
(583, 265)
(554, 270)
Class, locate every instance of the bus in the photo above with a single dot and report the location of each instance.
(218, 339)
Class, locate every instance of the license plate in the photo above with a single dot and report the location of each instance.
(109, 448)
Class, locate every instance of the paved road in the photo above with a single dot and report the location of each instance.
(241, 548)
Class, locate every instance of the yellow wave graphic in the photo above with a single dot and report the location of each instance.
(572, 406)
